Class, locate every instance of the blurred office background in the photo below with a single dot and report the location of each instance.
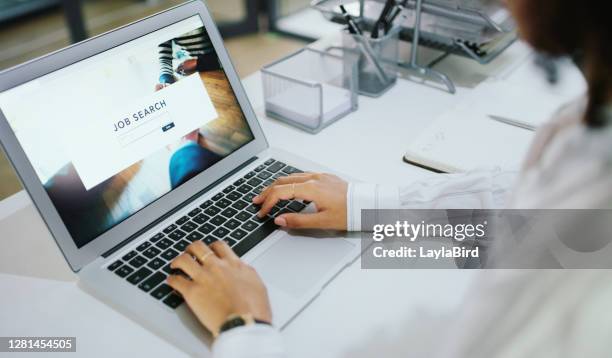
(256, 32)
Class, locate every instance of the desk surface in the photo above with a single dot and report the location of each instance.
(41, 298)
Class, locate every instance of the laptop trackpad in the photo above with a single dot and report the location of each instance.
(295, 263)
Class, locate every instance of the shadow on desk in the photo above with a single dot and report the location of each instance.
(30, 248)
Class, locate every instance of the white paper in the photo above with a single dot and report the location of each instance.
(301, 104)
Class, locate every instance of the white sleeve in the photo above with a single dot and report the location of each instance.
(472, 190)
(254, 341)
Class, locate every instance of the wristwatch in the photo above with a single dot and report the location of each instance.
(239, 320)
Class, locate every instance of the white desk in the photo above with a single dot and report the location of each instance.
(40, 297)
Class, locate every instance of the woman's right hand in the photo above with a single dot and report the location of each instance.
(327, 191)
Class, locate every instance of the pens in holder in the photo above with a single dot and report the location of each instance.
(364, 45)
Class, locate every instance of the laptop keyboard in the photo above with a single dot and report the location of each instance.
(229, 215)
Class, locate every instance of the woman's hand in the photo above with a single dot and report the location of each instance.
(327, 191)
(219, 285)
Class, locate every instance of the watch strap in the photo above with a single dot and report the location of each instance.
(235, 320)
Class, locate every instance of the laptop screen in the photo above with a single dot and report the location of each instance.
(112, 133)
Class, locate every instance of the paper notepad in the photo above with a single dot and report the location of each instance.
(462, 139)
(301, 104)
(517, 105)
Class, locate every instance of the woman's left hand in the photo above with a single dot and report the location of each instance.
(219, 285)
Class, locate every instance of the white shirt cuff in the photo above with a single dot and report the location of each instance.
(258, 340)
(368, 196)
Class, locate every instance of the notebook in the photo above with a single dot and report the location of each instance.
(464, 139)
(525, 98)
(521, 106)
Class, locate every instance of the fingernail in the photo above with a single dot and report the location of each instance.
(280, 221)
(256, 198)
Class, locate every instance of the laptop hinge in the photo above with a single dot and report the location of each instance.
(177, 208)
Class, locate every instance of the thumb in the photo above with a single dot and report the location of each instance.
(301, 221)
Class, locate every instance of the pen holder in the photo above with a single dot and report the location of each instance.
(385, 54)
(310, 89)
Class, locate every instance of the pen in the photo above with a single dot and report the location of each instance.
(353, 28)
(389, 4)
(392, 15)
(399, 7)
(512, 122)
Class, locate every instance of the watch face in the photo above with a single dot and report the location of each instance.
(238, 321)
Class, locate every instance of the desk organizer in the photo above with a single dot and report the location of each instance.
(385, 56)
(310, 89)
(466, 28)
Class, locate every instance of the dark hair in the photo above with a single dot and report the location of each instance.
(581, 29)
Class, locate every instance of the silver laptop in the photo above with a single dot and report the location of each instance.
(134, 144)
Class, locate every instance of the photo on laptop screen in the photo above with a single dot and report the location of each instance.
(112, 133)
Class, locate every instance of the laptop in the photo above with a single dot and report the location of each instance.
(137, 142)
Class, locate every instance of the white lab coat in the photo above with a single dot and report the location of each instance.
(516, 313)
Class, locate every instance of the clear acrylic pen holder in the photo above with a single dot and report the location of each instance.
(310, 89)
(377, 71)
